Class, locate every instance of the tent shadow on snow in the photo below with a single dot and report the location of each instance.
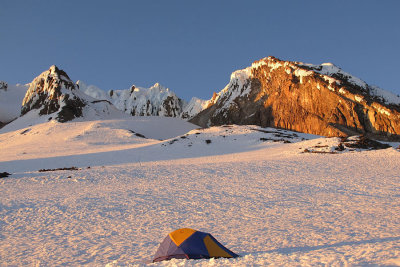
(290, 250)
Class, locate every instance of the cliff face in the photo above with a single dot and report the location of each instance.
(316, 99)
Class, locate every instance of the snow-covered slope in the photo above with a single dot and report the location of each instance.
(83, 136)
(11, 101)
(255, 189)
(93, 91)
(194, 106)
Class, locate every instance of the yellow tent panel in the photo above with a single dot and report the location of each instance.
(180, 235)
(213, 249)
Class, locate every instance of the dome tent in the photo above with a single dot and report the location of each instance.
(187, 243)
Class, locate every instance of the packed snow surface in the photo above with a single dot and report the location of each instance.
(254, 189)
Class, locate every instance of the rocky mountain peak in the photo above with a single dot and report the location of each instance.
(54, 92)
(317, 99)
(157, 85)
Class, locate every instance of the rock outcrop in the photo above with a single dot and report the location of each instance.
(3, 85)
(53, 92)
(316, 99)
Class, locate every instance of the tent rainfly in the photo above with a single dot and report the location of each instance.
(187, 243)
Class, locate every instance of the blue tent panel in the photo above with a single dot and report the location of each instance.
(195, 249)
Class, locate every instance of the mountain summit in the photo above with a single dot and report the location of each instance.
(154, 101)
(317, 99)
(54, 92)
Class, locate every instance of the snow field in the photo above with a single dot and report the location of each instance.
(271, 211)
(51, 139)
(264, 200)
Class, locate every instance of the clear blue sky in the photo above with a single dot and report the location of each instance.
(192, 47)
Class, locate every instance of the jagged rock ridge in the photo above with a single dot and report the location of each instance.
(156, 100)
(54, 92)
(316, 99)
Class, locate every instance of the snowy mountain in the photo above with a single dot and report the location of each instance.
(318, 99)
(10, 101)
(93, 91)
(54, 93)
(156, 100)
(194, 106)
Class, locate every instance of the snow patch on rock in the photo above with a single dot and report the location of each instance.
(302, 73)
(332, 73)
(387, 96)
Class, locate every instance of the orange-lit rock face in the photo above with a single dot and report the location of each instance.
(293, 96)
